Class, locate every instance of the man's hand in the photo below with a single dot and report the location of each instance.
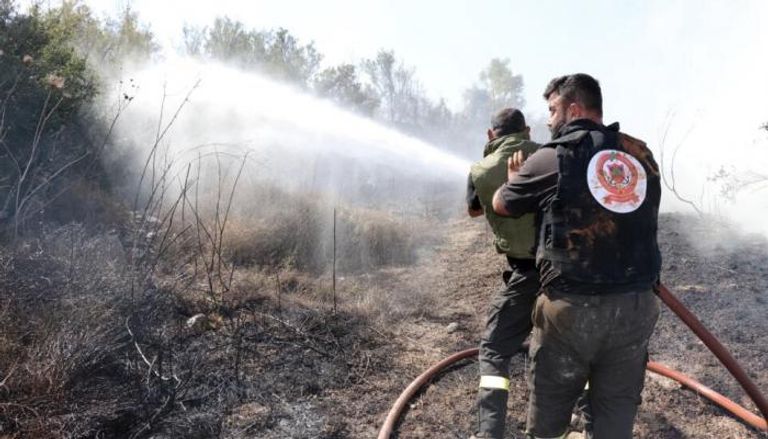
(473, 213)
(514, 163)
(498, 204)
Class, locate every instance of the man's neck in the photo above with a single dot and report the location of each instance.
(596, 119)
(585, 121)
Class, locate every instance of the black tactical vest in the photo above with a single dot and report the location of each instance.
(584, 240)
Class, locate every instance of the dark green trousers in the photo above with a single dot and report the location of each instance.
(601, 339)
(507, 326)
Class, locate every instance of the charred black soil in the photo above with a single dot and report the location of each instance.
(275, 360)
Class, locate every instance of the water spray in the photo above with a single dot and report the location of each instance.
(295, 133)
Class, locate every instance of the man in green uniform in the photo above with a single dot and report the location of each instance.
(509, 318)
(597, 192)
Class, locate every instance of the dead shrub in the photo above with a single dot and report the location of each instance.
(299, 234)
(292, 236)
(95, 340)
(61, 340)
(370, 240)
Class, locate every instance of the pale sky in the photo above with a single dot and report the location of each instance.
(699, 66)
(652, 57)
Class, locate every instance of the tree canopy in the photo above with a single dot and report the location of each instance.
(53, 60)
(46, 83)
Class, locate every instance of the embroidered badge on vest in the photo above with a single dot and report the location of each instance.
(617, 181)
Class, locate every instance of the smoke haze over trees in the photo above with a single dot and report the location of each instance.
(146, 303)
(383, 87)
(93, 340)
(45, 72)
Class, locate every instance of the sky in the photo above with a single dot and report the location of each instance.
(668, 43)
(693, 69)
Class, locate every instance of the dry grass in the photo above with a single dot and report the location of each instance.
(94, 340)
(300, 235)
(292, 236)
(59, 365)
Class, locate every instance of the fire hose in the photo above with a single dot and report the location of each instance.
(686, 316)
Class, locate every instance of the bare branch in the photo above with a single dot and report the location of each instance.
(10, 373)
(670, 180)
(144, 357)
(159, 137)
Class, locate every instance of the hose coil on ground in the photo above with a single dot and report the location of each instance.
(686, 316)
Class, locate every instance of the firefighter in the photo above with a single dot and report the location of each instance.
(509, 317)
(596, 191)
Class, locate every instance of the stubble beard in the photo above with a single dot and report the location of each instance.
(555, 129)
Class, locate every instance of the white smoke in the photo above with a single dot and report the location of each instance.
(705, 67)
(689, 73)
(296, 138)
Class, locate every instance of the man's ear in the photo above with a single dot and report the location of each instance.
(491, 136)
(574, 111)
(527, 130)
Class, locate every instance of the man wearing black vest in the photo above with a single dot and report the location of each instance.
(596, 192)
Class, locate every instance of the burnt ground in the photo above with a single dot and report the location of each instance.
(718, 273)
(277, 362)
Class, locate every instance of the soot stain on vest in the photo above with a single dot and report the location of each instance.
(640, 151)
(602, 227)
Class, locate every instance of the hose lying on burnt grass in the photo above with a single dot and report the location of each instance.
(686, 316)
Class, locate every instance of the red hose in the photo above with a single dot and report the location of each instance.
(402, 401)
(730, 406)
(686, 316)
(717, 348)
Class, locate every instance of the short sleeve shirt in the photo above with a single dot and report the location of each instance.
(534, 184)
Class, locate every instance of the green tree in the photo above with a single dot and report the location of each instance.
(341, 84)
(276, 53)
(127, 39)
(504, 88)
(105, 45)
(380, 71)
(497, 87)
(478, 105)
(403, 103)
(229, 41)
(193, 40)
(45, 87)
(289, 60)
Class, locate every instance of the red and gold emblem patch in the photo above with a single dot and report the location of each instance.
(617, 181)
